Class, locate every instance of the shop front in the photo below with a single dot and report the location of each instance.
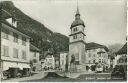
(15, 69)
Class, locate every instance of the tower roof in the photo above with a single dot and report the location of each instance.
(77, 21)
(77, 11)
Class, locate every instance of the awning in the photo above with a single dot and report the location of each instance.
(23, 65)
(7, 65)
(100, 52)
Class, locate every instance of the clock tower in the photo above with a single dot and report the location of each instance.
(77, 42)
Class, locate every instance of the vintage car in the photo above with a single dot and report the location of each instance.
(118, 72)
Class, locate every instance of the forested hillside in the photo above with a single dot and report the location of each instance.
(41, 36)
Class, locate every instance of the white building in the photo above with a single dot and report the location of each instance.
(121, 56)
(96, 53)
(34, 58)
(63, 57)
(14, 48)
(49, 62)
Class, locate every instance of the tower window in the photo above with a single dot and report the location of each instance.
(75, 29)
(94, 55)
(99, 60)
(75, 37)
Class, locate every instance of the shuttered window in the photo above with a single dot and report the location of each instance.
(5, 50)
(5, 33)
(23, 54)
(15, 53)
(15, 37)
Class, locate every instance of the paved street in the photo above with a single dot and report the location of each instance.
(58, 77)
(53, 77)
(37, 76)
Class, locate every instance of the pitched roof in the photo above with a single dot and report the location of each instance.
(93, 45)
(123, 50)
(34, 48)
(5, 14)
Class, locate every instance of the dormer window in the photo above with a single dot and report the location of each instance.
(12, 21)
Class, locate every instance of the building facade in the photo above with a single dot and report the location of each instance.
(96, 54)
(14, 48)
(34, 57)
(121, 56)
(57, 61)
(63, 57)
(49, 62)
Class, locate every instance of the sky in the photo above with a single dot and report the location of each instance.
(105, 20)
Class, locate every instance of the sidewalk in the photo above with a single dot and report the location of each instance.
(40, 75)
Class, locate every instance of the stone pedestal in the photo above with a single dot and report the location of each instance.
(77, 68)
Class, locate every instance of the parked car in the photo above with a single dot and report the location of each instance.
(5, 75)
(118, 72)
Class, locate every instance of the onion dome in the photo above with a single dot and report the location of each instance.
(77, 21)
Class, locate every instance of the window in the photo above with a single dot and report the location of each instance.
(94, 55)
(75, 37)
(99, 55)
(89, 61)
(24, 55)
(75, 29)
(5, 51)
(126, 60)
(15, 53)
(93, 61)
(5, 33)
(102, 61)
(89, 55)
(99, 60)
(23, 41)
(15, 37)
(34, 54)
(121, 60)
(34, 61)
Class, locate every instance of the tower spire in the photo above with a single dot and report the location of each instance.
(77, 12)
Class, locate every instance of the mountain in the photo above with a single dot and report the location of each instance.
(113, 48)
(41, 36)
